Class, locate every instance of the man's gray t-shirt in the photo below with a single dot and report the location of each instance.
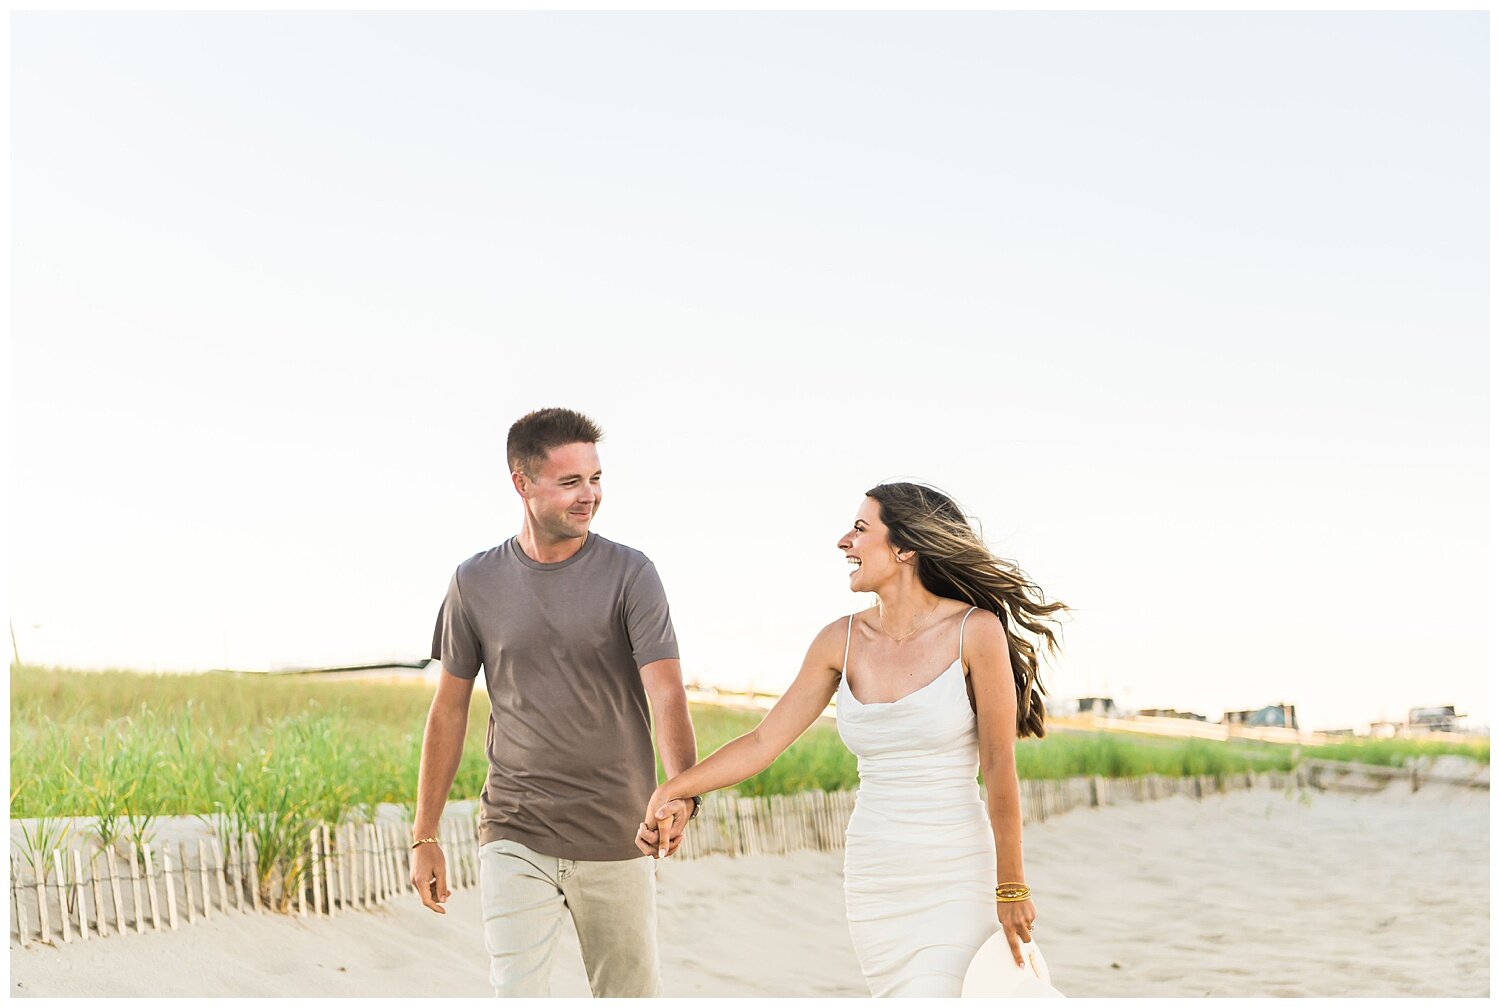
(562, 645)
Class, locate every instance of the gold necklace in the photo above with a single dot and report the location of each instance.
(912, 630)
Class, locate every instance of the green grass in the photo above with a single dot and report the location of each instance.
(1064, 754)
(819, 759)
(180, 744)
(276, 753)
(269, 755)
(1396, 751)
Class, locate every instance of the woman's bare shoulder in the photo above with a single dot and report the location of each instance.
(984, 635)
(828, 645)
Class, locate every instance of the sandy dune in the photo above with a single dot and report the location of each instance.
(1254, 893)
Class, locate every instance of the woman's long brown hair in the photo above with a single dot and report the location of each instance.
(954, 562)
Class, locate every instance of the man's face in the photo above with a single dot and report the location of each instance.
(564, 493)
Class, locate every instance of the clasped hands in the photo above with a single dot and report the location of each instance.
(664, 824)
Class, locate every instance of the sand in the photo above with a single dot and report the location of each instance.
(1249, 894)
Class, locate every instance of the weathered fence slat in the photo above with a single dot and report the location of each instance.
(83, 914)
(151, 888)
(394, 859)
(381, 843)
(448, 832)
(463, 837)
(112, 863)
(45, 936)
(252, 870)
(445, 844)
(473, 839)
(166, 874)
(299, 877)
(346, 867)
(187, 881)
(62, 897)
(372, 863)
(458, 841)
(135, 893)
(403, 859)
(362, 846)
(383, 836)
(371, 884)
(236, 880)
(101, 923)
(377, 874)
(219, 872)
(399, 871)
(327, 854)
(367, 862)
(393, 877)
(313, 844)
(356, 868)
(349, 866)
(203, 881)
(19, 901)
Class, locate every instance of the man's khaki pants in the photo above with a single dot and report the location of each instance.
(523, 895)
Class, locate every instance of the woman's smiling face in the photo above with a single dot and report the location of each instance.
(868, 548)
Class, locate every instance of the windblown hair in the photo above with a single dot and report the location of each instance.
(954, 562)
(540, 431)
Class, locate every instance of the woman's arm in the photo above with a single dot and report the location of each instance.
(987, 655)
(752, 752)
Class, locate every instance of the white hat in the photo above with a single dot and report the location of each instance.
(994, 973)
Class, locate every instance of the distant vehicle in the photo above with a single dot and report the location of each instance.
(1434, 719)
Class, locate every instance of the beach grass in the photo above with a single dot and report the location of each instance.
(275, 753)
(191, 744)
(1396, 751)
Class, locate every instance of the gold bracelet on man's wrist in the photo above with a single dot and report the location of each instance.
(430, 839)
(1012, 892)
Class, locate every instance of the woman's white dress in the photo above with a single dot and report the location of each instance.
(919, 857)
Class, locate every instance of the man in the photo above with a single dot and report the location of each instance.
(574, 635)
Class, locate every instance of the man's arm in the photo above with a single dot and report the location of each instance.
(442, 749)
(669, 711)
(674, 726)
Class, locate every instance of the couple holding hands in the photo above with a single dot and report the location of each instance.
(934, 683)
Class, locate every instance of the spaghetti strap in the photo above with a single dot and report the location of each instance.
(960, 638)
(848, 635)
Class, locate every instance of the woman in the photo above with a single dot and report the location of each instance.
(934, 682)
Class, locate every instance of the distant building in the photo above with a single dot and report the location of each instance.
(1275, 716)
(1171, 712)
(1098, 706)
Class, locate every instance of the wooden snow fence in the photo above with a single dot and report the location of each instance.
(816, 820)
(63, 896)
(67, 895)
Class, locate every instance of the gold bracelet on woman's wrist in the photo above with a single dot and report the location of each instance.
(430, 839)
(1012, 892)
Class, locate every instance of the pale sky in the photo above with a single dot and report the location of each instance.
(1189, 309)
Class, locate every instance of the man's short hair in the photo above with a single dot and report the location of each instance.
(540, 431)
